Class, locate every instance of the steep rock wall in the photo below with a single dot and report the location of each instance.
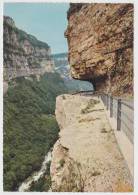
(24, 55)
(100, 41)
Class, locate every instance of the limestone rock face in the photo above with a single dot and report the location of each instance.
(86, 157)
(100, 41)
(23, 53)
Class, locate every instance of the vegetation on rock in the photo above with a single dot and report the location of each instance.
(22, 35)
(90, 105)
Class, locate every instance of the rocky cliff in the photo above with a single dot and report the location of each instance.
(100, 40)
(86, 158)
(24, 55)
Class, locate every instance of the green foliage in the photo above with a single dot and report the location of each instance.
(59, 55)
(30, 127)
(32, 39)
(76, 85)
(22, 35)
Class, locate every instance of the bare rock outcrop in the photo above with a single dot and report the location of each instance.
(100, 41)
(86, 158)
(23, 54)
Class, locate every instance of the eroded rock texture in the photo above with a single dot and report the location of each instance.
(86, 157)
(100, 40)
(23, 53)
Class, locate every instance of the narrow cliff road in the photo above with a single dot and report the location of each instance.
(87, 157)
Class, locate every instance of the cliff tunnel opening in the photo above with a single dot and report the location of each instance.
(98, 82)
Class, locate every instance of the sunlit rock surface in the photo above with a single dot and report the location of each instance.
(87, 157)
(100, 41)
(24, 55)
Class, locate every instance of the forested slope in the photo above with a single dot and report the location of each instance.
(30, 127)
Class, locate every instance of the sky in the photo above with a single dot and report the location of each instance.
(46, 21)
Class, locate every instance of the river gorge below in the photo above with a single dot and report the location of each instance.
(25, 185)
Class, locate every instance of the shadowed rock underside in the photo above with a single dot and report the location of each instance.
(100, 41)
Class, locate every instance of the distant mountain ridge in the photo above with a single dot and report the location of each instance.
(60, 55)
(63, 68)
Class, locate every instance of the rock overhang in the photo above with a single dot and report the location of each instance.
(100, 41)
